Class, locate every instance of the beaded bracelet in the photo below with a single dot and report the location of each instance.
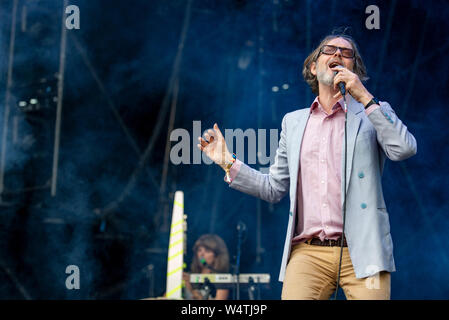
(228, 168)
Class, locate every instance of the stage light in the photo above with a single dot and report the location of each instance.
(22, 104)
(285, 86)
(33, 101)
(275, 89)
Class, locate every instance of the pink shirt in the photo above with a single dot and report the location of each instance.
(319, 177)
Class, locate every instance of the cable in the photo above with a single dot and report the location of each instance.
(344, 195)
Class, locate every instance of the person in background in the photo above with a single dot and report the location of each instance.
(210, 255)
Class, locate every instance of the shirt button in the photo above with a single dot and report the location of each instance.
(322, 160)
(322, 181)
(363, 205)
(324, 205)
(324, 139)
(361, 175)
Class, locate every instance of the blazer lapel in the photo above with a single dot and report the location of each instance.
(353, 124)
(297, 134)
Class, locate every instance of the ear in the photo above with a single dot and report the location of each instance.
(313, 68)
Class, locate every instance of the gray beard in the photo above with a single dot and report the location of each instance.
(324, 78)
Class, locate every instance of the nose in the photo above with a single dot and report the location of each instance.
(338, 51)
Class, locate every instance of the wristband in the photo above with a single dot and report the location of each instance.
(373, 101)
(228, 168)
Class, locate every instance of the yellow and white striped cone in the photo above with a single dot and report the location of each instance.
(176, 249)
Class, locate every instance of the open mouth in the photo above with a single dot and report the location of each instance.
(334, 64)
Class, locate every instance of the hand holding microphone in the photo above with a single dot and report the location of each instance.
(341, 85)
(348, 81)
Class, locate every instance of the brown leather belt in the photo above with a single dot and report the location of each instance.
(327, 242)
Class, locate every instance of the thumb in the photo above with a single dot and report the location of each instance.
(218, 130)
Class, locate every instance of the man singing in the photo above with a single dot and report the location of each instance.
(310, 162)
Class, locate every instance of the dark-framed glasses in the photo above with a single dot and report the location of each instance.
(330, 49)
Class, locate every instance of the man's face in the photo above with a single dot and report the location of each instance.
(321, 68)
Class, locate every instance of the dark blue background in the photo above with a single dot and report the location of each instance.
(121, 61)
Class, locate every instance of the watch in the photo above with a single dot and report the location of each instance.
(373, 101)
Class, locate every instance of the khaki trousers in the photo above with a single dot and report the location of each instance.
(312, 272)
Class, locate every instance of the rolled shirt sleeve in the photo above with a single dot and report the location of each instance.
(371, 109)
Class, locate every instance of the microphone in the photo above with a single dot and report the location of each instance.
(341, 85)
(241, 227)
(205, 264)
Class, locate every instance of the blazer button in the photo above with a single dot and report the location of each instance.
(361, 175)
(363, 205)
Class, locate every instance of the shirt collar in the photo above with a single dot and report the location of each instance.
(316, 104)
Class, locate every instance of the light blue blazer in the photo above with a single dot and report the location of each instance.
(370, 140)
